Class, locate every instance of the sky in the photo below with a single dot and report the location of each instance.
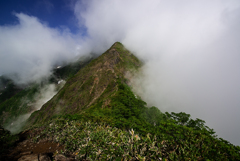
(190, 49)
(56, 13)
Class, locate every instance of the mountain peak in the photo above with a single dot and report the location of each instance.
(96, 82)
(117, 43)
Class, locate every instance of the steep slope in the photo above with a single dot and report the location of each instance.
(95, 82)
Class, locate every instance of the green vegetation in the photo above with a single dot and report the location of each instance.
(127, 129)
(17, 104)
(91, 87)
(100, 141)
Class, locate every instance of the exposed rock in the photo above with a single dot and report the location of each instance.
(26, 153)
(25, 149)
(44, 157)
(60, 157)
(32, 157)
(35, 157)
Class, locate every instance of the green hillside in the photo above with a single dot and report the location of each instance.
(97, 82)
(96, 116)
(17, 105)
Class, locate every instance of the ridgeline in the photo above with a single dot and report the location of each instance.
(96, 116)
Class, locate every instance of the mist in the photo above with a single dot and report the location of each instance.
(190, 50)
(29, 49)
(39, 99)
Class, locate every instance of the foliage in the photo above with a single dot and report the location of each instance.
(185, 120)
(128, 130)
(124, 111)
(99, 141)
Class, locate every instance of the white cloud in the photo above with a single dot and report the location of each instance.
(30, 49)
(191, 49)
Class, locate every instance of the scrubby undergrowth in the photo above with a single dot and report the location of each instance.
(99, 141)
(128, 130)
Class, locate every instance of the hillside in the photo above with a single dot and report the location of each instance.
(96, 116)
(17, 102)
(94, 83)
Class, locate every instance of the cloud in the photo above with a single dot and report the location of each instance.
(29, 49)
(39, 99)
(190, 48)
(16, 125)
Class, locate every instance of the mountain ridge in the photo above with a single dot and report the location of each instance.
(96, 116)
(90, 83)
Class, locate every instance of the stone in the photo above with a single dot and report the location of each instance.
(32, 157)
(44, 157)
(35, 157)
(60, 157)
(26, 153)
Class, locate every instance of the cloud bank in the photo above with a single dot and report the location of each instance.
(191, 53)
(30, 49)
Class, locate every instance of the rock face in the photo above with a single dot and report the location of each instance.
(89, 85)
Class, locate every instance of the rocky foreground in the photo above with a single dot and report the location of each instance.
(26, 149)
